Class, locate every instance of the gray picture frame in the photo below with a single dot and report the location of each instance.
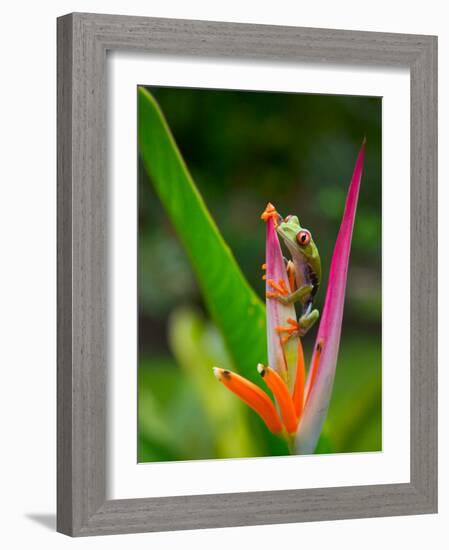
(83, 41)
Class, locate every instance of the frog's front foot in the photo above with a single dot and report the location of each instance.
(279, 290)
(285, 297)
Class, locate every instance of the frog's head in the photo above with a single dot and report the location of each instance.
(296, 238)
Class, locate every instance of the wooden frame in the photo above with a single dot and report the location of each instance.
(83, 40)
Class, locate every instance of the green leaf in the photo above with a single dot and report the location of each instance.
(233, 305)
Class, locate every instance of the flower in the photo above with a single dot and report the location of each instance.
(302, 403)
(285, 376)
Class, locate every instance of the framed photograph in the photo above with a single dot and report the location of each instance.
(247, 274)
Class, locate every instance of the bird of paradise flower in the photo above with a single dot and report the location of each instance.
(302, 398)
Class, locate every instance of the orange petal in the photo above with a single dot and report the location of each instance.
(253, 396)
(300, 380)
(282, 395)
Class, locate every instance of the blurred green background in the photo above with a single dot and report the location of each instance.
(244, 149)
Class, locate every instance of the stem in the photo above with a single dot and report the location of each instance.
(291, 443)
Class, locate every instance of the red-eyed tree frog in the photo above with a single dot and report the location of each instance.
(304, 270)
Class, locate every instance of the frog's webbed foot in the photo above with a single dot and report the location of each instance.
(280, 290)
(298, 328)
(286, 332)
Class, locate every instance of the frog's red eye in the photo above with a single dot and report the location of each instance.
(303, 237)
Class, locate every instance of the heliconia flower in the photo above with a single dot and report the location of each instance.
(285, 376)
(301, 404)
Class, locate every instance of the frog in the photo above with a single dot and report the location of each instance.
(303, 270)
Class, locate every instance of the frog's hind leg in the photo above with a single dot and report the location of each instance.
(308, 319)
